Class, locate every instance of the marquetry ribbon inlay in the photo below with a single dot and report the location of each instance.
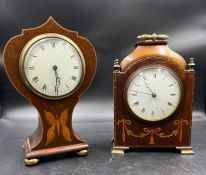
(177, 132)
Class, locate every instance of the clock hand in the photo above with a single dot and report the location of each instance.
(56, 89)
(147, 86)
(56, 75)
(144, 93)
(57, 79)
(153, 94)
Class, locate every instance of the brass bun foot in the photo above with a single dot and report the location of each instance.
(118, 150)
(187, 150)
(30, 162)
(82, 152)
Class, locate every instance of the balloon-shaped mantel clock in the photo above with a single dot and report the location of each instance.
(153, 91)
(52, 67)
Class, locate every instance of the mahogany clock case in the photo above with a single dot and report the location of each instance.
(55, 132)
(132, 132)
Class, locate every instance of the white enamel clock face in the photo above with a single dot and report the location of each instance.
(153, 93)
(52, 66)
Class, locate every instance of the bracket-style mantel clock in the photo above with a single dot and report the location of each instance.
(51, 67)
(153, 92)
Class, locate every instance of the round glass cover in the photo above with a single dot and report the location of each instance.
(153, 93)
(52, 66)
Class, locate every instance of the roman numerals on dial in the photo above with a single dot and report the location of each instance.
(35, 79)
(31, 67)
(133, 92)
(153, 93)
(53, 67)
(32, 55)
(171, 85)
(41, 47)
(169, 103)
(53, 44)
(74, 78)
(44, 87)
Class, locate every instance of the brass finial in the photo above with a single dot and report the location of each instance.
(116, 65)
(191, 64)
(153, 37)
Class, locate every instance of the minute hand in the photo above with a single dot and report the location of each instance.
(57, 79)
(144, 93)
(153, 94)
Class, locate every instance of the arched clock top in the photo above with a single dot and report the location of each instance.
(158, 46)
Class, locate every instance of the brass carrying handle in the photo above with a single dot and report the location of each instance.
(153, 37)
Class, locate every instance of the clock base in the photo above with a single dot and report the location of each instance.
(118, 150)
(31, 162)
(80, 148)
(185, 150)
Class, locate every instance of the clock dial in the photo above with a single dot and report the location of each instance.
(153, 93)
(52, 66)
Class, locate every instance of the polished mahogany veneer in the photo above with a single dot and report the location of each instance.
(54, 133)
(174, 131)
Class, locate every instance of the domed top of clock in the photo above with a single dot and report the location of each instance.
(158, 47)
(152, 39)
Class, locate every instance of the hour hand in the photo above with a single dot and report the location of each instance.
(58, 80)
(56, 89)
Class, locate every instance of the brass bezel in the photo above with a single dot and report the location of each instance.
(22, 60)
(132, 76)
